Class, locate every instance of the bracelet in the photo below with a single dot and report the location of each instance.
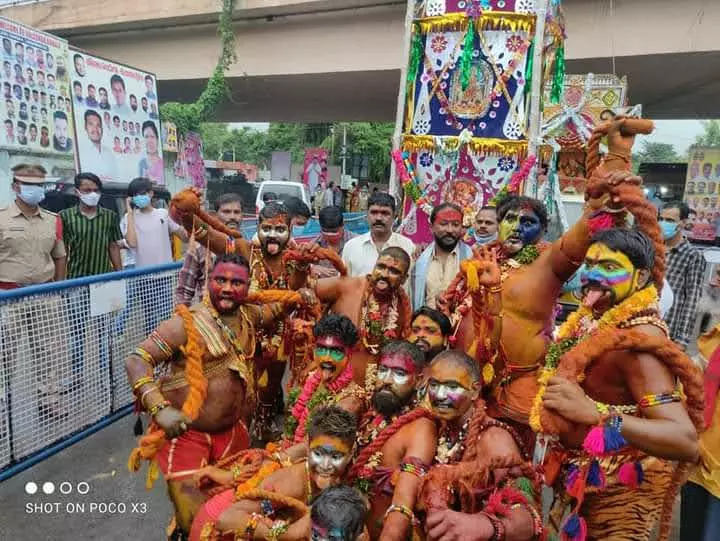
(498, 527)
(278, 528)
(536, 518)
(157, 407)
(251, 525)
(495, 289)
(161, 344)
(142, 381)
(404, 510)
(145, 393)
(651, 400)
(144, 355)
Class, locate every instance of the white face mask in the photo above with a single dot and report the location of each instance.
(90, 199)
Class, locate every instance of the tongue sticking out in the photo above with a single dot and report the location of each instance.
(592, 296)
(273, 248)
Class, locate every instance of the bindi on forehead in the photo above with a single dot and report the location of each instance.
(398, 361)
(280, 219)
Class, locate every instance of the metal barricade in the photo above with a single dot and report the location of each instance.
(62, 356)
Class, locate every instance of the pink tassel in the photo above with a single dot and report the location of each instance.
(630, 474)
(595, 441)
(600, 222)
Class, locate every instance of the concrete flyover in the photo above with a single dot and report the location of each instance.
(326, 60)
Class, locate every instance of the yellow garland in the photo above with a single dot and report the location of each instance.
(489, 20)
(479, 145)
(265, 471)
(635, 303)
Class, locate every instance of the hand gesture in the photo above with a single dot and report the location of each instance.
(447, 525)
(570, 401)
(603, 193)
(173, 421)
(487, 266)
(209, 476)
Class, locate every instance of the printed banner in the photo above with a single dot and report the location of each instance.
(169, 137)
(193, 162)
(35, 109)
(280, 165)
(315, 168)
(702, 190)
(117, 119)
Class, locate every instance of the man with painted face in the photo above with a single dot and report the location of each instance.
(612, 394)
(477, 457)
(267, 270)
(440, 261)
(519, 304)
(329, 446)
(430, 331)
(685, 272)
(338, 514)
(201, 411)
(403, 436)
(377, 304)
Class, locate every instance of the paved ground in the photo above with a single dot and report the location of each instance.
(101, 462)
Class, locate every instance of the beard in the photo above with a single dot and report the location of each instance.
(446, 242)
(387, 402)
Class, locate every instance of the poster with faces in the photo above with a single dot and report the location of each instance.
(116, 118)
(35, 109)
(702, 192)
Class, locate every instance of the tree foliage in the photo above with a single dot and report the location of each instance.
(652, 152)
(711, 135)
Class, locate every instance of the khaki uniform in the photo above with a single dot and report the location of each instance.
(28, 246)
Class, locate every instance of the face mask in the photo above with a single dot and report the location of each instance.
(32, 195)
(485, 239)
(141, 201)
(298, 230)
(669, 229)
(90, 199)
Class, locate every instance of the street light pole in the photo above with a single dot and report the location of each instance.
(344, 151)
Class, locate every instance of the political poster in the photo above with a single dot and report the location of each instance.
(315, 168)
(169, 137)
(116, 117)
(35, 109)
(702, 191)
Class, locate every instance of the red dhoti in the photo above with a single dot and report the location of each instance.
(210, 512)
(182, 457)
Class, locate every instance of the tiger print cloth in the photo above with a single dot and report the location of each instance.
(617, 513)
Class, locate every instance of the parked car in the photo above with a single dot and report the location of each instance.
(279, 190)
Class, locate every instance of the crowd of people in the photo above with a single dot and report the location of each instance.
(363, 387)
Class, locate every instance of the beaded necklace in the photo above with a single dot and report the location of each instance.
(378, 326)
(450, 449)
(261, 276)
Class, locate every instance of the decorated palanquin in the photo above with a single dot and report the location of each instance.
(467, 100)
(586, 101)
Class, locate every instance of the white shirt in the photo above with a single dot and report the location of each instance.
(667, 298)
(153, 237)
(360, 254)
(101, 162)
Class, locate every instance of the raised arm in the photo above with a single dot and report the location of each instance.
(420, 442)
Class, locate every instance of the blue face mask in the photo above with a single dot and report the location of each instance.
(485, 239)
(31, 194)
(141, 201)
(298, 230)
(669, 229)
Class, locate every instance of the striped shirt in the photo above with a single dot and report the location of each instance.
(88, 240)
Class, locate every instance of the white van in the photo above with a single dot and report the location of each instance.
(279, 190)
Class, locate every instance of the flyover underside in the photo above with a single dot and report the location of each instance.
(670, 86)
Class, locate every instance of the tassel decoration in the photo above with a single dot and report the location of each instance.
(596, 476)
(559, 77)
(631, 474)
(529, 67)
(574, 528)
(416, 51)
(467, 54)
(595, 441)
(138, 429)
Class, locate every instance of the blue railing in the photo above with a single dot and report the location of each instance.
(62, 357)
(355, 222)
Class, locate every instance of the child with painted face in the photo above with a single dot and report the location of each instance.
(330, 440)
(338, 514)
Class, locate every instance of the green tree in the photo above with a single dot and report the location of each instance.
(711, 135)
(213, 136)
(658, 153)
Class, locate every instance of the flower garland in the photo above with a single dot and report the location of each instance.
(581, 325)
(449, 449)
(312, 396)
(378, 328)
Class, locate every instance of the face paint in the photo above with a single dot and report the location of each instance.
(518, 228)
(447, 228)
(608, 277)
(330, 357)
(450, 390)
(273, 234)
(388, 275)
(318, 533)
(426, 335)
(228, 286)
(327, 460)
